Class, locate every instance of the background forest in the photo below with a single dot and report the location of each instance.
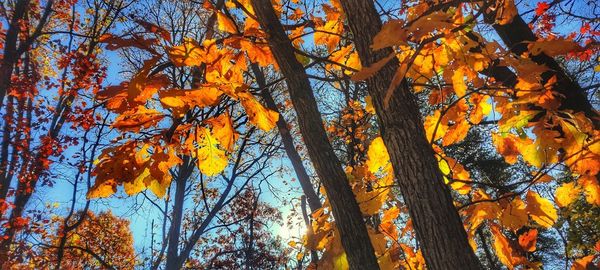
(291, 134)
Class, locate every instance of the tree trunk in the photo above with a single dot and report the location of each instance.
(185, 170)
(437, 224)
(288, 142)
(349, 220)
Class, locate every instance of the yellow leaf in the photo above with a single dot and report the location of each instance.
(458, 82)
(211, 159)
(514, 215)
(102, 189)
(377, 155)
(258, 115)
(226, 24)
(180, 101)
(341, 262)
(541, 210)
(433, 124)
(369, 105)
(189, 53)
(566, 194)
(137, 185)
(591, 189)
(456, 133)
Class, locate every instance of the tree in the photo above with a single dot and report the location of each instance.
(353, 232)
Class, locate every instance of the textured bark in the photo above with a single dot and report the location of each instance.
(516, 35)
(349, 220)
(437, 224)
(288, 142)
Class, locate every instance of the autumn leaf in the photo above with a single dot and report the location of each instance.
(258, 115)
(541, 210)
(504, 249)
(223, 131)
(566, 194)
(591, 189)
(528, 240)
(189, 53)
(139, 118)
(377, 154)
(390, 214)
(508, 146)
(456, 133)
(182, 100)
(553, 47)
(367, 72)
(115, 43)
(506, 11)
(584, 263)
(153, 28)
(514, 216)
(211, 159)
(225, 24)
(392, 33)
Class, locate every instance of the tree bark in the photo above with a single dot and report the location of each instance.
(437, 224)
(349, 220)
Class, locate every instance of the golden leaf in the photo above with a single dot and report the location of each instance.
(211, 159)
(566, 194)
(225, 23)
(541, 210)
(258, 115)
(223, 131)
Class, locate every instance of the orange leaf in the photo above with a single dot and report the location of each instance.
(392, 33)
(258, 115)
(528, 240)
(139, 118)
(367, 72)
(222, 129)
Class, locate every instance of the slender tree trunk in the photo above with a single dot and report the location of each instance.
(438, 226)
(175, 230)
(349, 220)
(288, 142)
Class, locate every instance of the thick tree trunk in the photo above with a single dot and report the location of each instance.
(349, 220)
(438, 226)
(288, 142)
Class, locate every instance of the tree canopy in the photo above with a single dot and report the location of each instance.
(291, 134)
